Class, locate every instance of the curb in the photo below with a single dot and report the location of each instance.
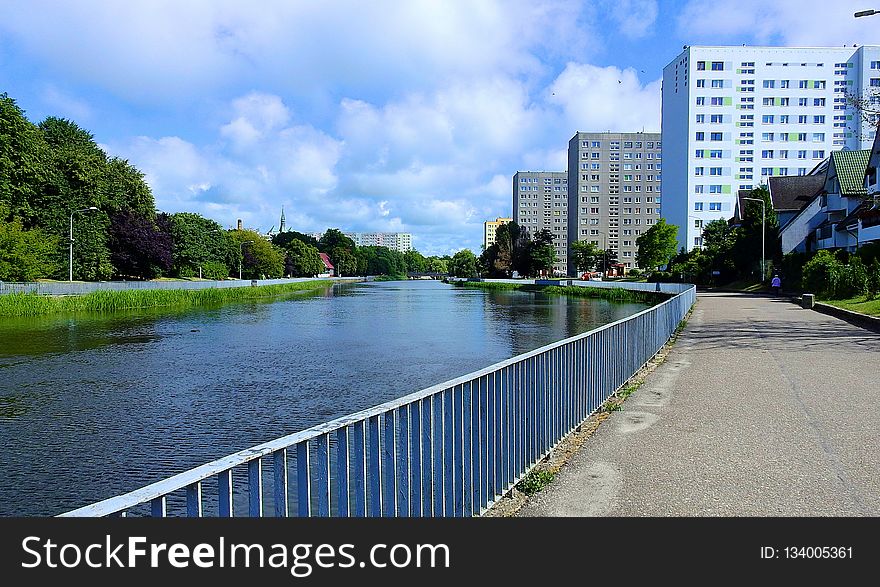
(863, 320)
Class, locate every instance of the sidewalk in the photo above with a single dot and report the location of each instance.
(762, 408)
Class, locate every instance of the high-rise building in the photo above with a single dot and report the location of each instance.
(489, 228)
(540, 201)
(614, 190)
(735, 116)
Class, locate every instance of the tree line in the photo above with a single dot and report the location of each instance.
(54, 175)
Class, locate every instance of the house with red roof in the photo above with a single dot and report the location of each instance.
(329, 270)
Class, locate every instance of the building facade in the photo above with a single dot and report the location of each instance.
(735, 116)
(489, 228)
(614, 190)
(540, 201)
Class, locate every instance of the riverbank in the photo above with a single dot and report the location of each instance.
(30, 304)
(609, 293)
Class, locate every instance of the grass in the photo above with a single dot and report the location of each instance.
(20, 304)
(860, 304)
(535, 481)
(614, 294)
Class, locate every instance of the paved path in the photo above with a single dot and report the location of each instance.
(761, 409)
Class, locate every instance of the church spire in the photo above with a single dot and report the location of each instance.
(281, 229)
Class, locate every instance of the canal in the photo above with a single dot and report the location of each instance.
(92, 406)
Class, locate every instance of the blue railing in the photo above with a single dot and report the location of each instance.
(448, 450)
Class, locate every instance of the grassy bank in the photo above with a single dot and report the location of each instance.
(615, 294)
(858, 304)
(19, 304)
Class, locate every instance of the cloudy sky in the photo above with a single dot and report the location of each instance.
(386, 115)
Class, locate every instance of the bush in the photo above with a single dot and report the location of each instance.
(215, 270)
(873, 282)
(855, 279)
(634, 272)
(822, 275)
(792, 269)
(661, 276)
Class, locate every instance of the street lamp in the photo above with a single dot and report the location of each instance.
(604, 253)
(70, 261)
(866, 13)
(241, 254)
(763, 215)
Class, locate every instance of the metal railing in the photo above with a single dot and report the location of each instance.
(449, 450)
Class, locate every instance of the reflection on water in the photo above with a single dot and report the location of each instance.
(94, 406)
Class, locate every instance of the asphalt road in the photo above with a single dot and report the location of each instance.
(762, 408)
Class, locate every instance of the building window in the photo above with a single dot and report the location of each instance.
(700, 136)
(701, 65)
(715, 136)
(717, 66)
(698, 206)
(716, 206)
(769, 83)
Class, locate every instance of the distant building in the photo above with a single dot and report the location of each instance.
(613, 190)
(329, 270)
(396, 241)
(489, 228)
(540, 202)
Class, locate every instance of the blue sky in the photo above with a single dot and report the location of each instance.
(406, 115)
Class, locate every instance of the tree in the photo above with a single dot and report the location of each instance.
(541, 253)
(333, 238)
(25, 162)
(656, 245)
(259, 258)
(464, 264)
(415, 261)
(585, 255)
(747, 251)
(437, 265)
(719, 240)
(302, 260)
(198, 241)
(344, 260)
(25, 255)
(282, 238)
(138, 248)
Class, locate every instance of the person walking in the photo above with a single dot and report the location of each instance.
(776, 284)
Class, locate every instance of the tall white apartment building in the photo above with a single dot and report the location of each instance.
(735, 116)
(614, 190)
(540, 201)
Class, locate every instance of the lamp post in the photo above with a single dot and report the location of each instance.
(604, 253)
(763, 216)
(70, 257)
(241, 255)
(866, 13)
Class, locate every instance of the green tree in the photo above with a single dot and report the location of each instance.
(437, 265)
(747, 252)
(822, 275)
(25, 255)
(656, 245)
(344, 261)
(464, 264)
(333, 238)
(415, 261)
(25, 162)
(302, 260)
(198, 241)
(542, 254)
(282, 238)
(585, 255)
(260, 258)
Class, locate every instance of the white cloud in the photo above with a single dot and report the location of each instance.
(809, 23)
(160, 50)
(635, 18)
(606, 98)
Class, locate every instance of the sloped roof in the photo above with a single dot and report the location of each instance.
(326, 260)
(793, 192)
(850, 167)
(853, 216)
